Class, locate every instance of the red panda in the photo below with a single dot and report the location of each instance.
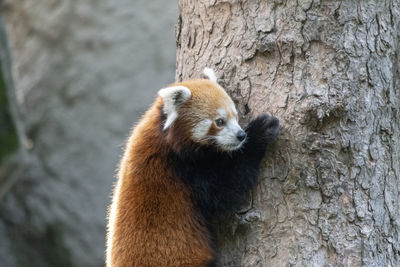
(185, 163)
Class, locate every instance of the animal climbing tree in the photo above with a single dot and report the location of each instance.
(329, 70)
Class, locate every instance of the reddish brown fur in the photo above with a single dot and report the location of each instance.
(207, 97)
(154, 223)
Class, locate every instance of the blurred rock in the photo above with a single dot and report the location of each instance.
(84, 73)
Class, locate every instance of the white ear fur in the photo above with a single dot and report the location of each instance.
(210, 74)
(172, 98)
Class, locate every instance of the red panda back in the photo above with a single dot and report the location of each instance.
(152, 218)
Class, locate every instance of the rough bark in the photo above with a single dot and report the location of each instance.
(329, 70)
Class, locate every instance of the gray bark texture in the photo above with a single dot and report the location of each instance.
(329, 70)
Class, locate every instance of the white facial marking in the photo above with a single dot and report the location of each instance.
(234, 109)
(227, 137)
(172, 98)
(170, 119)
(201, 129)
(221, 112)
(234, 126)
(210, 74)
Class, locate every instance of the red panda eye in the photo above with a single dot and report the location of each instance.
(220, 122)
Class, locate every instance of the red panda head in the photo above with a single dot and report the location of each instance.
(200, 112)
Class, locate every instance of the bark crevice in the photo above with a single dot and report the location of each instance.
(329, 70)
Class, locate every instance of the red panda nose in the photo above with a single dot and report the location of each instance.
(241, 135)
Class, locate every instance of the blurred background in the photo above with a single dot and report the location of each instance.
(76, 76)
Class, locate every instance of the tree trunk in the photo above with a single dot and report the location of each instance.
(329, 70)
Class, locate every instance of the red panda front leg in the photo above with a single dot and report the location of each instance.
(241, 170)
(220, 181)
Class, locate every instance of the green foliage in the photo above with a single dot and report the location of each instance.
(8, 134)
(40, 248)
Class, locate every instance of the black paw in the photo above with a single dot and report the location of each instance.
(264, 127)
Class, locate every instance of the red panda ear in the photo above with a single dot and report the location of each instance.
(210, 74)
(173, 97)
